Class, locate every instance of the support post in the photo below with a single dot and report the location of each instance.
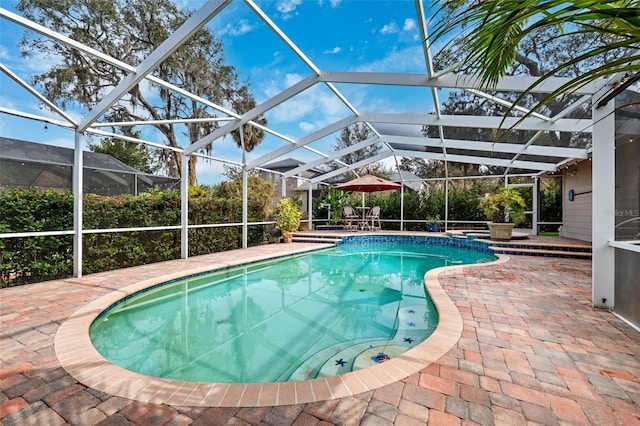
(402, 208)
(245, 192)
(283, 187)
(310, 206)
(245, 203)
(536, 206)
(603, 205)
(184, 208)
(446, 204)
(77, 188)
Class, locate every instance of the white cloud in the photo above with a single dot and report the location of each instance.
(288, 6)
(404, 60)
(241, 27)
(7, 102)
(307, 111)
(307, 127)
(332, 3)
(409, 25)
(333, 51)
(4, 53)
(390, 28)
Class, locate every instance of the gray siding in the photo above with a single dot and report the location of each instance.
(577, 213)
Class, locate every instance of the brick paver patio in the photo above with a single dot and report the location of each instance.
(533, 351)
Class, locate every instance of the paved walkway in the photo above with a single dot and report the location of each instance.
(533, 351)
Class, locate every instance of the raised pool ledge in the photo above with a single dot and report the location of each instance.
(80, 359)
(403, 238)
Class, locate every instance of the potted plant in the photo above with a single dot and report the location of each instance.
(432, 223)
(288, 216)
(504, 209)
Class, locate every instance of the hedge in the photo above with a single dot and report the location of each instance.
(34, 259)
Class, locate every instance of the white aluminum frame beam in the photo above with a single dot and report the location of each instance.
(53, 107)
(312, 137)
(109, 60)
(41, 118)
(91, 130)
(426, 48)
(170, 45)
(478, 160)
(483, 122)
(505, 103)
(254, 112)
(450, 81)
(155, 122)
(379, 157)
(568, 110)
(508, 148)
(337, 154)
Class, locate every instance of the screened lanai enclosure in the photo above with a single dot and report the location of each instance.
(311, 78)
(27, 164)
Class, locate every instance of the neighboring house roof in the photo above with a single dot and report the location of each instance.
(110, 172)
(288, 164)
(409, 180)
(19, 150)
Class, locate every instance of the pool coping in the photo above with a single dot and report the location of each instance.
(82, 361)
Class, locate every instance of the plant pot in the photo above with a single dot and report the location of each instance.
(432, 227)
(288, 239)
(500, 231)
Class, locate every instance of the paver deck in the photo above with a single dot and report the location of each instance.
(532, 351)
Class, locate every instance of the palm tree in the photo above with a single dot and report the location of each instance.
(251, 135)
(492, 31)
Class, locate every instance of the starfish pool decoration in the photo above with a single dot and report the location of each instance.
(341, 362)
(411, 324)
(380, 358)
(408, 339)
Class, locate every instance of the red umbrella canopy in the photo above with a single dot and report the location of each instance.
(368, 183)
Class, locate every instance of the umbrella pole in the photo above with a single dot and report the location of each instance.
(364, 214)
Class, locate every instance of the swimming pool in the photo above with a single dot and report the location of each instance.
(319, 314)
(77, 355)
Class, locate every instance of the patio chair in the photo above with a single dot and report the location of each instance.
(350, 215)
(373, 219)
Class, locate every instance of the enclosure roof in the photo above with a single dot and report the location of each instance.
(14, 149)
(414, 129)
(26, 164)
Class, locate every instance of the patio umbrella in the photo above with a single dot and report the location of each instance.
(368, 183)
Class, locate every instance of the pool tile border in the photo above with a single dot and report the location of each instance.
(81, 360)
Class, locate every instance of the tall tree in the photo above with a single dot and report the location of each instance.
(132, 154)
(130, 30)
(538, 54)
(495, 32)
(350, 136)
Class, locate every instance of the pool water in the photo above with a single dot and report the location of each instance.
(314, 315)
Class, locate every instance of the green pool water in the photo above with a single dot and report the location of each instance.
(314, 315)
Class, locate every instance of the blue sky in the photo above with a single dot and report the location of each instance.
(379, 36)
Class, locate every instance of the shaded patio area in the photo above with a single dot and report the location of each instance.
(532, 350)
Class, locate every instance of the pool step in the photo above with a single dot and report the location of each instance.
(300, 237)
(478, 234)
(546, 250)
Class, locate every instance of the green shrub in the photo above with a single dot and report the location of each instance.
(34, 259)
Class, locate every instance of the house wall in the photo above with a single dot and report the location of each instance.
(577, 213)
(292, 188)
